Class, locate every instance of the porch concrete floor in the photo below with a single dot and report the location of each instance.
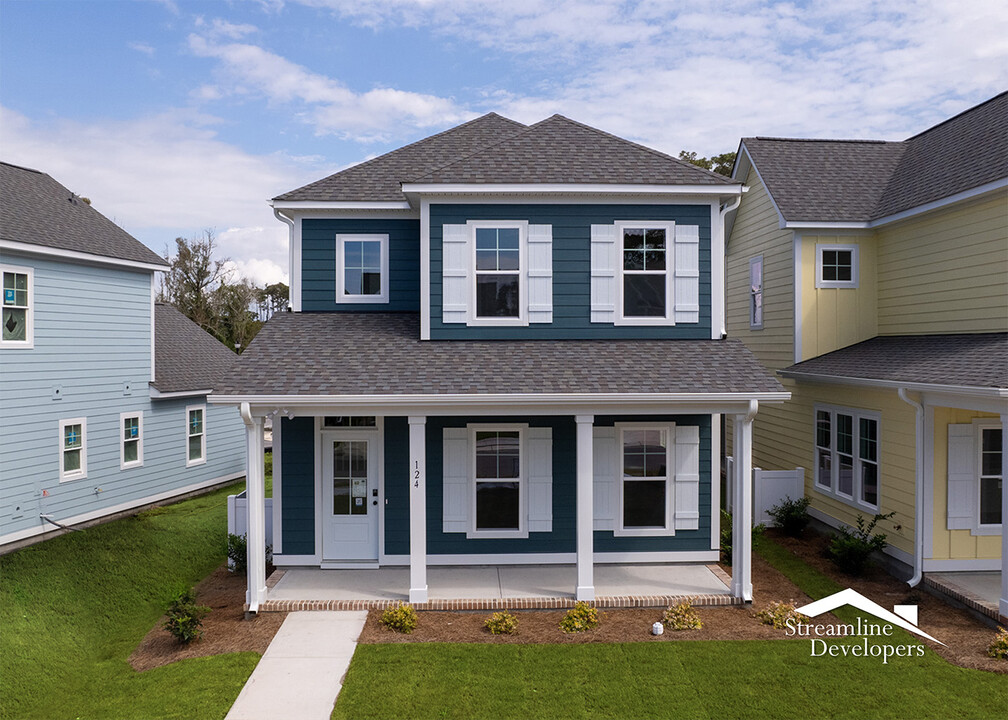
(981, 589)
(495, 582)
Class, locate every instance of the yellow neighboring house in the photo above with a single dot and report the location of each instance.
(873, 277)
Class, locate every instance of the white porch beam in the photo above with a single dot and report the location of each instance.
(1003, 604)
(255, 490)
(585, 589)
(418, 508)
(741, 586)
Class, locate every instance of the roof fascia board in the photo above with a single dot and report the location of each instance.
(943, 202)
(781, 222)
(158, 395)
(804, 225)
(575, 188)
(969, 390)
(62, 254)
(967, 402)
(491, 199)
(338, 205)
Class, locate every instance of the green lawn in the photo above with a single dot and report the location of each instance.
(73, 608)
(712, 679)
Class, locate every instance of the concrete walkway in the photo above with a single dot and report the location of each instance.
(302, 670)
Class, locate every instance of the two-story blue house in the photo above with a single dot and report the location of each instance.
(103, 392)
(506, 346)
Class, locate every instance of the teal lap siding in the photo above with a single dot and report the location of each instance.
(297, 485)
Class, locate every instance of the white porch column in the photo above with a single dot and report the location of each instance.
(585, 589)
(418, 509)
(741, 586)
(255, 490)
(1003, 605)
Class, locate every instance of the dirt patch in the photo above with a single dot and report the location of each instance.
(225, 628)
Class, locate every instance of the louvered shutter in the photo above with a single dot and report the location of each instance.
(455, 499)
(455, 262)
(603, 273)
(686, 284)
(540, 273)
(962, 478)
(540, 479)
(687, 477)
(604, 485)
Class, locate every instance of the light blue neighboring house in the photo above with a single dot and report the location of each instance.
(506, 346)
(103, 392)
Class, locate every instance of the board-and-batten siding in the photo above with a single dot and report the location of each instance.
(91, 336)
(945, 272)
(754, 233)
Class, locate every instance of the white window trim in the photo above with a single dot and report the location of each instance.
(669, 529)
(382, 297)
(522, 319)
(855, 265)
(82, 472)
(29, 342)
(979, 425)
(752, 293)
(833, 491)
(123, 465)
(669, 228)
(203, 457)
(522, 531)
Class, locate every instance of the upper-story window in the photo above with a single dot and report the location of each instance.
(756, 293)
(17, 307)
(498, 272)
(836, 266)
(362, 274)
(645, 272)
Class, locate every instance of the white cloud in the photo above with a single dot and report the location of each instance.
(142, 48)
(327, 104)
(166, 176)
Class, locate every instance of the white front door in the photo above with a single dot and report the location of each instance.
(350, 496)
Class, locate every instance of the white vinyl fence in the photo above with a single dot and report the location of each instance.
(237, 516)
(770, 487)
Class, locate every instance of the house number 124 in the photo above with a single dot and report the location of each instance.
(416, 473)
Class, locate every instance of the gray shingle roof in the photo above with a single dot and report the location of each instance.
(186, 357)
(979, 360)
(380, 179)
(864, 180)
(380, 353)
(560, 150)
(37, 210)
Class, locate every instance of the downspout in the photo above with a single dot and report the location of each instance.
(918, 488)
(289, 222)
(722, 263)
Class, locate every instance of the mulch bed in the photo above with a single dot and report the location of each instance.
(226, 630)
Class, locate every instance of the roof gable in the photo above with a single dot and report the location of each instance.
(37, 210)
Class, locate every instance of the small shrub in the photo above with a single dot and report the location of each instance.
(401, 618)
(851, 548)
(579, 618)
(999, 645)
(185, 617)
(502, 623)
(726, 536)
(237, 552)
(681, 616)
(777, 614)
(791, 516)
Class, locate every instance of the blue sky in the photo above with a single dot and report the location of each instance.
(176, 116)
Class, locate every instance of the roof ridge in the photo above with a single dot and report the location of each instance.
(958, 115)
(824, 140)
(22, 167)
(659, 153)
(364, 163)
(484, 148)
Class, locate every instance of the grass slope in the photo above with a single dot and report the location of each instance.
(73, 608)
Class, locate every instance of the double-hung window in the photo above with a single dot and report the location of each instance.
(498, 496)
(756, 293)
(991, 478)
(847, 455)
(131, 440)
(646, 480)
(16, 321)
(362, 274)
(73, 449)
(195, 434)
(498, 278)
(646, 265)
(836, 266)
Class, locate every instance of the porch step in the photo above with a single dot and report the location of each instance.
(524, 603)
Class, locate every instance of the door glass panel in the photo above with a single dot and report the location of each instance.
(350, 477)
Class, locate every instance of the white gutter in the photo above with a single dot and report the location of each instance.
(918, 487)
(974, 390)
(598, 188)
(294, 287)
(338, 205)
(61, 253)
(156, 394)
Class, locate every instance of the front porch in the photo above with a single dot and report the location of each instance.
(978, 590)
(491, 587)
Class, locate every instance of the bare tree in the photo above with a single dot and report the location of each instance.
(194, 276)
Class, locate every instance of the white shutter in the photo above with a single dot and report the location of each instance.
(686, 285)
(455, 283)
(687, 477)
(605, 487)
(962, 478)
(603, 273)
(540, 273)
(455, 500)
(540, 479)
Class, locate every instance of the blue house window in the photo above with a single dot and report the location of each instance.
(498, 494)
(362, 269)
(498, 272)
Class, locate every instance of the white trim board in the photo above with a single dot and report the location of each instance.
(338, 205)
(74, 255)
(970, 390)
(112, 510)
(967, 565)
(577, 188)
(601, 558)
